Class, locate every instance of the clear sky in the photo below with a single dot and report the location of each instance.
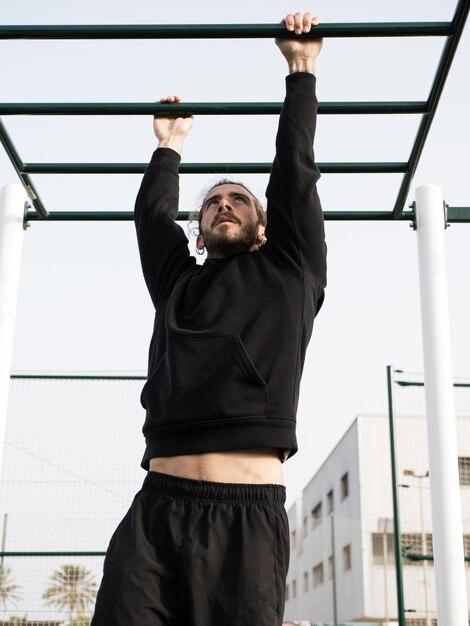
(82, 302)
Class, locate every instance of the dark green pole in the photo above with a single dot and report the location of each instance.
(396, 518)
(223, 31)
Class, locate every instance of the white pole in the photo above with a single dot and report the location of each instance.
(12, 201)
(441, 426)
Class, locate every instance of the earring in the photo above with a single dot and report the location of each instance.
(200, 250)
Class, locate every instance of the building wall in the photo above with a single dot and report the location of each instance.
(364, 521)
(312, 545)
(376, 505)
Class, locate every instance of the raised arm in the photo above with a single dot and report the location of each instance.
(163, 245)
(295, 229)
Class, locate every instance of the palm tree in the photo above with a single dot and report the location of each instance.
(9, 592)
(16, 620)
(73, 588)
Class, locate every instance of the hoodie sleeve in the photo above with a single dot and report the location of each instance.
(163, 246)
(295, 230)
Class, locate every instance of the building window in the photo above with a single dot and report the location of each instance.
(383, 548)
(464, 470)
(416, 543)
(331, 567)
(429, 546)
(412, 542)
(294, 588)
(330, 503)
(344, 486)
(305, 581)
(317, 514)
(466, 548)
(318, 575)
(347, 558)
(304, 527)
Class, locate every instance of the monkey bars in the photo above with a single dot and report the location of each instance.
(224, 31)
(452, 31)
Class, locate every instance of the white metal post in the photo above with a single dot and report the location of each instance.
(442, 438)
(12, 200)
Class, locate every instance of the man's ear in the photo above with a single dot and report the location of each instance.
(261, 236)
(260, 240)
(200, 242)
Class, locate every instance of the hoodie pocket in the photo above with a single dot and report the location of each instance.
(205, 378)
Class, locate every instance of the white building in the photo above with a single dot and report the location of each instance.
(342, 547)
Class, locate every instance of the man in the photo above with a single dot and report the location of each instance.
(206, 541)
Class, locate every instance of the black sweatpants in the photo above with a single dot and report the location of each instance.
(196, 553)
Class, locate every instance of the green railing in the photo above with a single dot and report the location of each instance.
(452, 31)
(38, 553)
(225, 31)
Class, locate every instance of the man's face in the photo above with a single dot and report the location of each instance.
(229, 222)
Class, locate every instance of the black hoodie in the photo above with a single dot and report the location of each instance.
(230, 336)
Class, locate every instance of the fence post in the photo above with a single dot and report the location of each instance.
(396, 509)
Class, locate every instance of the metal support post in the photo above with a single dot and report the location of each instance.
(438, 382)
(12, 202)
(396, 508)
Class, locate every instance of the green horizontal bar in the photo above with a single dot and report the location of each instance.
(439, 80)
(73, 216)
(205, 108)
(402, 383)
(13, 554)
(335, 216)
(411, 557)
(86, 216)
(407, 383)
(364, 216)
(77, 377)
(223, 31)
(207, 168)
(458, 214)
(425, 557)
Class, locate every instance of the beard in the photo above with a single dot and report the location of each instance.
(218, 244)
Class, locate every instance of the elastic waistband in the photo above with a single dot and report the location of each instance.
(205, 490)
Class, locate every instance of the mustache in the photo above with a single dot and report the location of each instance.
(225, 217)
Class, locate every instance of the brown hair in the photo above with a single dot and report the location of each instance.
(195, 216)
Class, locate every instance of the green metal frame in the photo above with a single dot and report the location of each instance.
(396, 508)
(224, 31)
(409, 383)
(452, 31)
(78, 377)
(15, 554)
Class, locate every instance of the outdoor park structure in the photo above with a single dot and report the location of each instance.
(428, 215)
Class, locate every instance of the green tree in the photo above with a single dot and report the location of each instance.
(9, 592)
(72, 587)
